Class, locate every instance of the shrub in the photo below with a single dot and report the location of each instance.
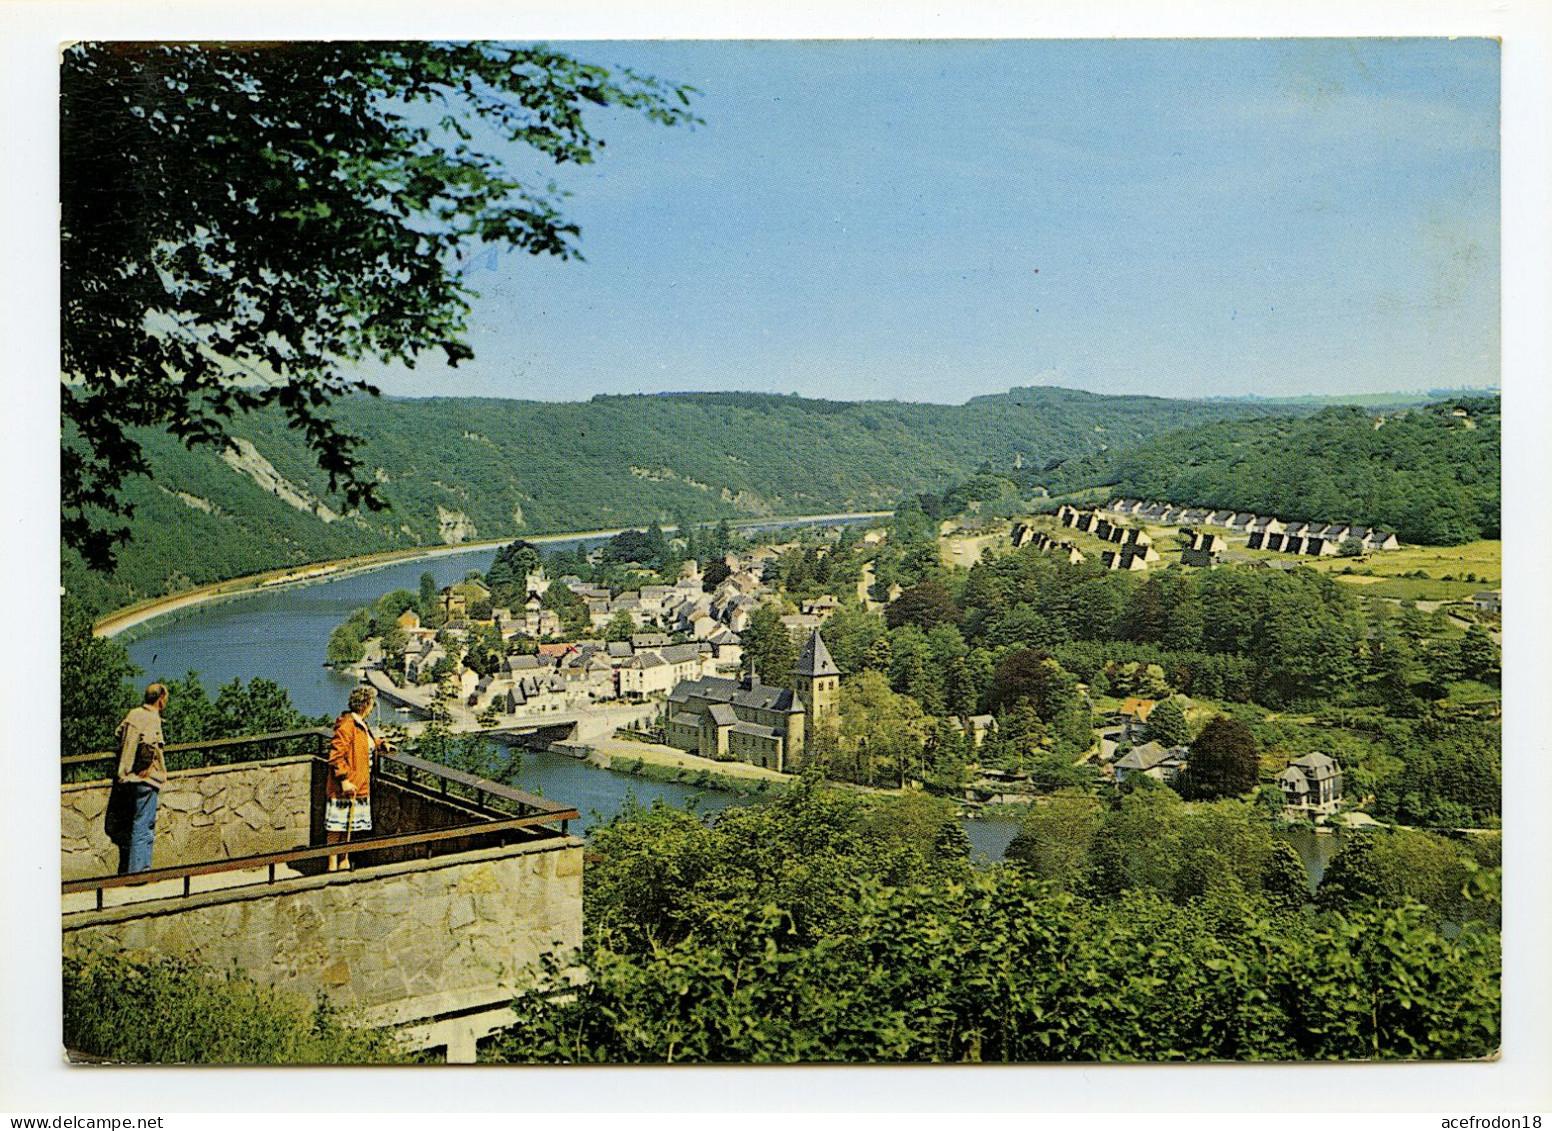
(168, 1011)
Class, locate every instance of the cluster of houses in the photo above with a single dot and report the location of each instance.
(1310, 785)
(533, 620)
(568, 675)
(685, 607)
(1025, 534)
(1136, 547)
(1262, 532)
(1150, 758)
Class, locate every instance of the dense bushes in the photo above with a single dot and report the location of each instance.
(785, 934)
(164, 1011)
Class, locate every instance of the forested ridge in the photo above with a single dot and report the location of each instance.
(502, 468)
(1431, 474)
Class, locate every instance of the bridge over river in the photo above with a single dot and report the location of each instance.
(579, 726)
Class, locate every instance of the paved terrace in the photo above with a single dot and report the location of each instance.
(459, 890)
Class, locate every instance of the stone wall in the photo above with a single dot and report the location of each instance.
(212, 813)
(405, 941)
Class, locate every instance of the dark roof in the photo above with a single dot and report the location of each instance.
(815, 659)
(722, 715)
(716, 689)
(756, 730)
(1317, 765)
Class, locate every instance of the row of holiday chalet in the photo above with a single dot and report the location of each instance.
(1261, 531)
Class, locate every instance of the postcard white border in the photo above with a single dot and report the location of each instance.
(32, 1077)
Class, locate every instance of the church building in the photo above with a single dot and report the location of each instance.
(746, 721)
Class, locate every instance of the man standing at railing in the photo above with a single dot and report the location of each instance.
(143, 771)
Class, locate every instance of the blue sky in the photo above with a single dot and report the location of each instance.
(936, 220)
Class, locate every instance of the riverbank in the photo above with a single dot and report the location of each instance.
(121, 620)
(657, 762)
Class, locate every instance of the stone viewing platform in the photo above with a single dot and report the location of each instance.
(461, 887)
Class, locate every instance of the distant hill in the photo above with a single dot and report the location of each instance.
(1363, 400)
(462, 469)
(1432, 474)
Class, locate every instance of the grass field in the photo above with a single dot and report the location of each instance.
(1447, 567)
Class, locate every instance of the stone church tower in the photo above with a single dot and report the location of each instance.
(817, 680)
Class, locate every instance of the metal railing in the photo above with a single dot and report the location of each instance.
(323, 734)
(483, 790)
(495, 813)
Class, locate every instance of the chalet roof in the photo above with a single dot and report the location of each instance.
(815, 659)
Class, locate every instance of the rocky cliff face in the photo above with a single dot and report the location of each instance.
(454, 526)
(248, 460)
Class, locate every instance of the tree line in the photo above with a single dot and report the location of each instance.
(820, 928)
(1432, 474)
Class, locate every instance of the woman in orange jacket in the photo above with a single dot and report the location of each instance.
(347, 793)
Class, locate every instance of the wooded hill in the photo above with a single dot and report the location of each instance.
(1431, 474)
(467, 468)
